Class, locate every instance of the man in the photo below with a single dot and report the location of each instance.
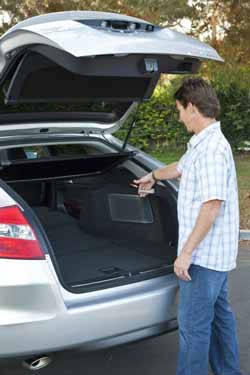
(208, 217)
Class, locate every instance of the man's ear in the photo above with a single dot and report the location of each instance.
(192, 108)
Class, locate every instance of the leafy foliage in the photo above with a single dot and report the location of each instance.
(157, 124)
(237, 35)
(225, 25)
(232, 86)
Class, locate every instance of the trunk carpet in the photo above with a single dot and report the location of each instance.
(84, 258)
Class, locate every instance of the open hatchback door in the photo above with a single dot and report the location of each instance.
(82, 57)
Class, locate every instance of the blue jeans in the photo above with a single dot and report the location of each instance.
(207, 329)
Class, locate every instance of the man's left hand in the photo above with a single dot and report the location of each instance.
(181, 266)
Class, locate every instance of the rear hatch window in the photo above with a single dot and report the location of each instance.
(39, 79)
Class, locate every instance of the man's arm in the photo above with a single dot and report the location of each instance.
(207, 216)
(165, 173)
(168, 172)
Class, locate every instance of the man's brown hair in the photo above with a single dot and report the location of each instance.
(200, 93)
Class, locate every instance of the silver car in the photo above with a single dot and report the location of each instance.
(83, 260)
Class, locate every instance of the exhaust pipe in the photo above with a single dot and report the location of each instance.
(36, 363)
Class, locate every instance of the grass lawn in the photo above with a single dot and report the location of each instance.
(242, 161)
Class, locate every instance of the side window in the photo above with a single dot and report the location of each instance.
(27, 153)
(48, 151)
(35, 152)
(30, 154)
(73, 150)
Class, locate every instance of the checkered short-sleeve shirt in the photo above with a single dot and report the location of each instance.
(208, 172)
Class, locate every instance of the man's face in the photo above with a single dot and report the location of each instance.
(186, 115)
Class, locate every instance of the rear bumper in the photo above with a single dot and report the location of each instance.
(41, 317)
(156, 330)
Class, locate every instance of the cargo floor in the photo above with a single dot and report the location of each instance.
(84, 258)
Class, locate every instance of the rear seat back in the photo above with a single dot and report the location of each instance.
(16, 154)
(32, 192)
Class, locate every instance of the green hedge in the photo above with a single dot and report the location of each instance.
(157, 122)
(233, 87)
(157, 125)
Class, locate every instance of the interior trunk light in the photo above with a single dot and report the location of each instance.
(149, 65)
(17, 238)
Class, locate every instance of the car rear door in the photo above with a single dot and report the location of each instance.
(82, 56)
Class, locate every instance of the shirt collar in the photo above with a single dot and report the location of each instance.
(195, 139)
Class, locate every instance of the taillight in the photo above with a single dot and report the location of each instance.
(17, 238)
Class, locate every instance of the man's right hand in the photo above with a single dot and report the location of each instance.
(166, 173)
(144, 183)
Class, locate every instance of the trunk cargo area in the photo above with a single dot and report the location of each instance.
(85, 258)
(100, 230)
